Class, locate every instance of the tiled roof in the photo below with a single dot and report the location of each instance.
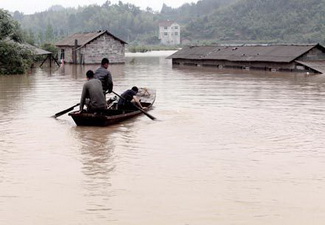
(37, 51)
(319, 66)
(166, 23)
(84, 38)
(256, 53)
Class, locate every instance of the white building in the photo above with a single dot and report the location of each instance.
(169, 33)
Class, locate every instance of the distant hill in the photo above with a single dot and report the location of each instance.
(191, 11)
(284, 21)
(207, 21)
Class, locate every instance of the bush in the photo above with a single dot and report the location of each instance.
(14, 58)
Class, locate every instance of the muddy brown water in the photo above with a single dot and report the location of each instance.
(229, 147)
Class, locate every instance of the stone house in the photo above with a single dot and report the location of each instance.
(304, 58)
(90, 48)
(169, 33)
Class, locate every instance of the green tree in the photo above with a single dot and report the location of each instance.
(49, 34)
(8, 27)
(14, 58)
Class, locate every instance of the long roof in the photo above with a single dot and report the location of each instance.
(84, 38)
(253, 53)
(37, 51)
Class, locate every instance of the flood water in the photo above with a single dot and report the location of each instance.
(229, 147)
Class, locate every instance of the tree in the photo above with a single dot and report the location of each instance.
(7, 26)
(15, 59)
(49, 34)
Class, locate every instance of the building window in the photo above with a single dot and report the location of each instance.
(165, 28)
(165, 33)
(176, 27)
(176, 33)
(62, 54)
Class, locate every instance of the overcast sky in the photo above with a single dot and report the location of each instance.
(32, 6)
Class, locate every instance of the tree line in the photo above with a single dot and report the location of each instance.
(263, 21)
(207, 21)
(125, 21)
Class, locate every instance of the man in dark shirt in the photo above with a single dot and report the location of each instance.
(129, 99)
(105, 76)
(93, 91)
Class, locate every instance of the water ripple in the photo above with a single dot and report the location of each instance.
(228, 145)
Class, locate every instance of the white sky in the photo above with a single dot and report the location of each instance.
(32, 6)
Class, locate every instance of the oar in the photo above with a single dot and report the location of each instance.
(68, 110)
(144, 112)
(65, 111)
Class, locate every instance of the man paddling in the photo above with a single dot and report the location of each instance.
(93, 92)
(128, 100)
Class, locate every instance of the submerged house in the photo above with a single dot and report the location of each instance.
(303, 58)
(90, 48)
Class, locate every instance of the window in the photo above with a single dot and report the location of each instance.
(176, 33)
(165, 33)
(62, 54)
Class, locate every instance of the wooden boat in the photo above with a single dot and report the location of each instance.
(113, 115)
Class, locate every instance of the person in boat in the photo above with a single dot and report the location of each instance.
(129, 99)
(105, 76)
(92, 94)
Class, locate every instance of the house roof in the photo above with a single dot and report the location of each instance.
(256, 53)
(197, 52)
(166, 23)
(37, 51)
(84, 38)
(318, 66)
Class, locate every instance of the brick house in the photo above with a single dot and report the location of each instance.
(169, 33)
(90, 48)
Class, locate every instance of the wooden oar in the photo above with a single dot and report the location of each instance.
(144, 112)
(65, 111)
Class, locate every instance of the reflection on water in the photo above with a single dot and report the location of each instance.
(97, 158)
(229, 147)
